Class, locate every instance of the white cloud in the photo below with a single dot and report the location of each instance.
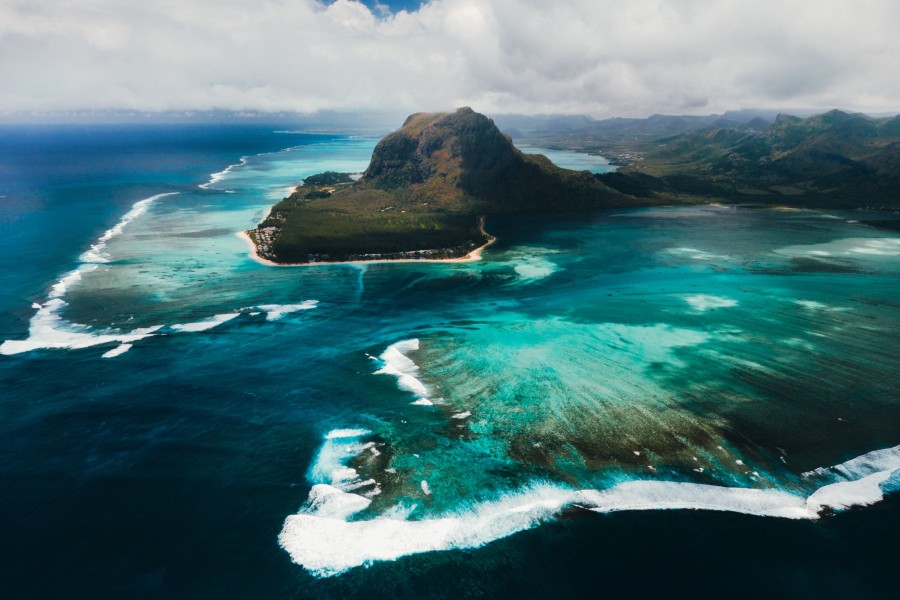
(590, 56)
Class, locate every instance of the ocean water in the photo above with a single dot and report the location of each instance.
(578, 161)
(671, 401)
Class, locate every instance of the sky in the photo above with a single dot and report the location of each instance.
(594, 57)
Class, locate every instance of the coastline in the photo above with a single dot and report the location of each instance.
(472, 256)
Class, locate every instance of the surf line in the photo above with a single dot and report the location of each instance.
(328, 538)
(47, 328)
(217, 177)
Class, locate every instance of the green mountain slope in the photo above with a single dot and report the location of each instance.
(831, 159)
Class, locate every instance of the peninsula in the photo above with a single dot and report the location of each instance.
(424, 196)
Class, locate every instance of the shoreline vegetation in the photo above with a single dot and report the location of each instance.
(473, 255)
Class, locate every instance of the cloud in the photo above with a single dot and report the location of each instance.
(581, 56)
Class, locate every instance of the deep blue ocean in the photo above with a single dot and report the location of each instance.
(669, 402)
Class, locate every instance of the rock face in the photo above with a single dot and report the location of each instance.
(441, 145)
(464, 156)
(423, 195)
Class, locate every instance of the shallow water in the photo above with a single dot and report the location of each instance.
(170, 405)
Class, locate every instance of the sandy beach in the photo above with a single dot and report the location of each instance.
(472, 256)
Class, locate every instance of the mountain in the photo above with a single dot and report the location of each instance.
(834, 159)
(424, 194)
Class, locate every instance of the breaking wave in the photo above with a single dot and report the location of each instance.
(217, 177)
(329, 536)
(399, 365)
(96, 253)
(47, 329)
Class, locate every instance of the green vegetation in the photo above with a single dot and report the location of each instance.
(328, 178)
(834, 159)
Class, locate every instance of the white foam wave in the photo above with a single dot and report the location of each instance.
(857, 482)
(204, 325)
(346, 433)
(672, 495)
(330, 465)
(276, 311)
(866, 464)
(323, 538)
(58, 289)
(118, 350)
(396, 363)
(327, 545)
(217, 177)
(48, 330)
(846, 494)
(96, 253)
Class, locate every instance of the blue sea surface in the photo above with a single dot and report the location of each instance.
(577, 161)
(690, 401)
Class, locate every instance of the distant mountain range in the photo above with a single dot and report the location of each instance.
(831, 159)
(835, 159)
(584, 128)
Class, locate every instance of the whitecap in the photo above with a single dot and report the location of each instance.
(96, 253)
(329, 545)
(346, 433)
(326, 539)
(217, 177)
(399, 365)
(330, 465)
(204, 325)
(118, 350)
(48, 330)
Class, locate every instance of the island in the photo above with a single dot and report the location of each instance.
(424, 196)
